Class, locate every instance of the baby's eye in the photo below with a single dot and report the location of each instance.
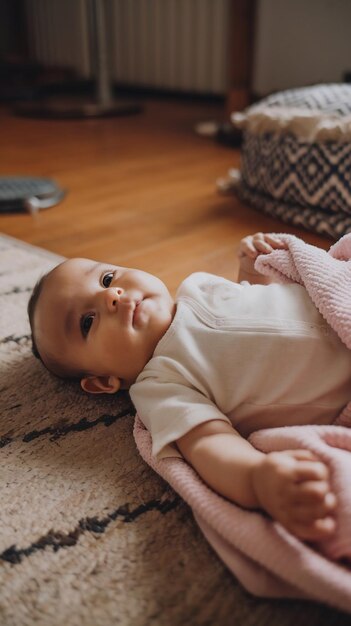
(107, 279)
(86, 323)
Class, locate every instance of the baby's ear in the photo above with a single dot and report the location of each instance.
(100, 384)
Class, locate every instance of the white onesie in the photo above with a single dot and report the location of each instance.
(259, 356)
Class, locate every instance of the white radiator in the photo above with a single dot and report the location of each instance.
(168, 44)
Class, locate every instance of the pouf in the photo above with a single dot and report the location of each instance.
(296, 157)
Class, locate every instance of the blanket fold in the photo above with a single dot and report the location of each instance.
(265, 557)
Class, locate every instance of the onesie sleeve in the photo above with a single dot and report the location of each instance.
(169, 410)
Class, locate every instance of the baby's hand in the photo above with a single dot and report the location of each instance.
(249, 249)
(293, 487)
(259, 243)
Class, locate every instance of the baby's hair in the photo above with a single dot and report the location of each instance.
(51, 364)
(33, 301)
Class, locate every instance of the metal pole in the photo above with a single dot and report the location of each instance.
(103, 85)
(104, 104)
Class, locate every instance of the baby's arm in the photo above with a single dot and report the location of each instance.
(249, 249)
(292, 486)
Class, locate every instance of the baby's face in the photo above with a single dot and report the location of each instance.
(101, 319)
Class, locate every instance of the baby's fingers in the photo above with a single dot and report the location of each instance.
(259, 243)
(308, 467)
(311, 492)
(311, 471)
(265, 243)
(247, 248)
(275, 242)
(315, 531)
(307, 512)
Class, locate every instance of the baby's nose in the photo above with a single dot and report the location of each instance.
(113, 296)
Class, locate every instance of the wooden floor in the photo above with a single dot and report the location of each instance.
(140, 190)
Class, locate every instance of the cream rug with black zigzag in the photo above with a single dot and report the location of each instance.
(89, 535)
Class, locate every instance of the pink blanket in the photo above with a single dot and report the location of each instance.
(265, 557)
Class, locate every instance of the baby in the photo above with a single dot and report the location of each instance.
(206, 370)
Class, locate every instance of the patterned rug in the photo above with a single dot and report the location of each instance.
(89, 535)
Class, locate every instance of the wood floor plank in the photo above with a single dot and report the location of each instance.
(140, 190)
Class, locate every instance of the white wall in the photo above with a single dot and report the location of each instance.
(301, 42)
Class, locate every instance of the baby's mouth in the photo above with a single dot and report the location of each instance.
(136, 310)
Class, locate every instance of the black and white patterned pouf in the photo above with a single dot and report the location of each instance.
(296, 157)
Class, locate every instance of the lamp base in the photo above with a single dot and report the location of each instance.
(73, 109)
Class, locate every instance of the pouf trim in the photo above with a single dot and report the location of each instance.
(310, 125)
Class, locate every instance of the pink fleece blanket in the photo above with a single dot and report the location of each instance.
(265, 557)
